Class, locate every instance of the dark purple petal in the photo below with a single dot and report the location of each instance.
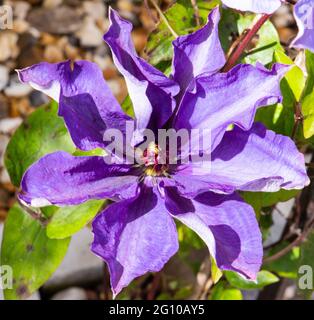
(134, 236)
(258, 160)
(85, 101)
(150, 90)
(226, 224)
(229, 98)
(198, 53)
(304, 15)
(62, 179)
(257, 6)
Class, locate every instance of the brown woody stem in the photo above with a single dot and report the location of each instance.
(246, 40)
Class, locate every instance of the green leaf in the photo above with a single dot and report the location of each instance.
(31, 254)
(308, 98)
(309, 86)
(188, 237)
(220, 292)
(68, 220)
(265, 222)
(268, 40)
(308, 113)
(216, 273)
(294, 77)
(96, 152)
(264, 278)
(231, 294)
(127, 106)
(181, 18)
(189, 240)
(259, 200)
(280, 117)
(49, 211)
(41, 133)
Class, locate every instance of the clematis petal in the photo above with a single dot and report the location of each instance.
(85, 101)
(254, 160)
(134, 236)
(229, 98)
(147, 86)
(44, 77)
(198, 53)
(257, 6)
(193, 179)
(62, 179)
(304, 15)
(258, 160)
(226, 224)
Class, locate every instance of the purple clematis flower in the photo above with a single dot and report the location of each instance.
(304, 14)
(137, 234)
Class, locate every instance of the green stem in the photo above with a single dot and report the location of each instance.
(163, 17)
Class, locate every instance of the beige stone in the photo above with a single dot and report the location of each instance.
(8, 45)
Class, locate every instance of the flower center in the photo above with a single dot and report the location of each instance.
(150, 155)
(151, 160)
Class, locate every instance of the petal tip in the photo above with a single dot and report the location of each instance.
(20, 74)
(118, 26)
(215, 14)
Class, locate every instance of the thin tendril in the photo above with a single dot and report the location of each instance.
(163, 17)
